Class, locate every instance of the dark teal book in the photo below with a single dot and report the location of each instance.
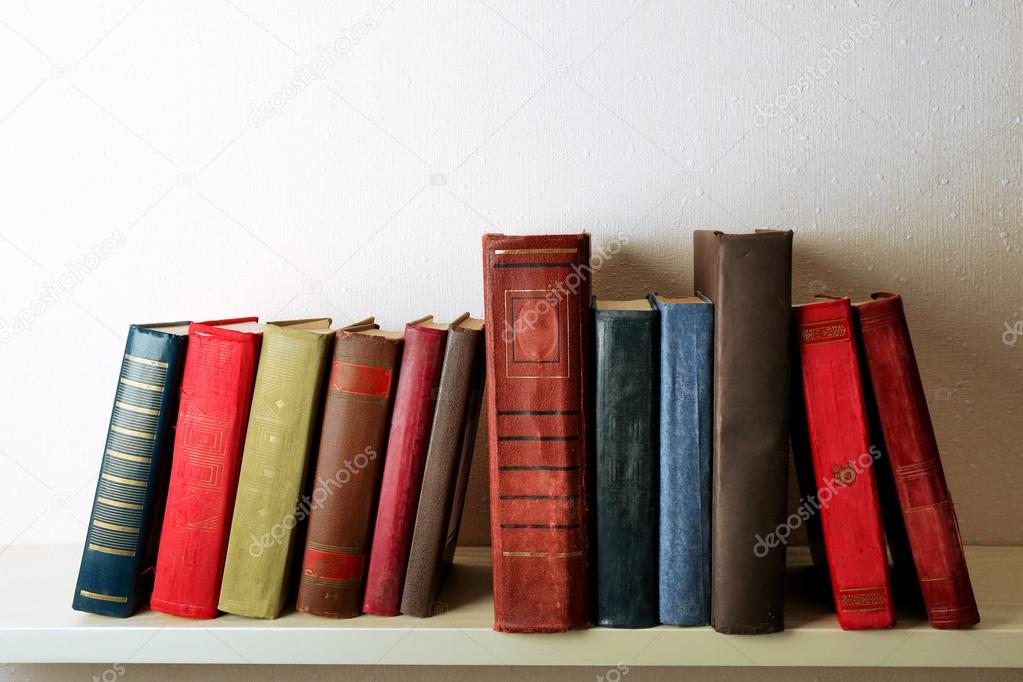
(626, 415)
(116, 575)
(686, 433)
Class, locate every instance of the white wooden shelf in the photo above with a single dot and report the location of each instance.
(37, 625)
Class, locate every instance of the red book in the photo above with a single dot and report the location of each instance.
(843, 465)
(216, 390)
(537, 299)
(927, 508)
(411, 420)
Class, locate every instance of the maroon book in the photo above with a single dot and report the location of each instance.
(912, 449)
(220, 371)
(414, 402)
(537, 298)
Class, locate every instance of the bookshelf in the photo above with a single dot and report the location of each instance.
(37, 625)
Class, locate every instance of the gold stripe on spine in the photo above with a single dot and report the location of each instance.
(103, 597)
(115, 526)
(130, 458)
(139, 384)
(555, 555)
(136, 408)
(130, 432)
(126, 481)
(145, 361)
(504, 252)
(117, 503)
(111, 550)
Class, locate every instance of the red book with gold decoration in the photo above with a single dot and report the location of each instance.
(414, 402)
(220, 371)
(843, 464)
(912, 449)
(537, 299)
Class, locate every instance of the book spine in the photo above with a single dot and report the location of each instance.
(749, 279)
(115, 576)
(536, 297)
(843, 464)
(912, 449)
(360, 392)
(414, 403)
(626, 517)
(216, 394)
(278, 439)
(446, 457)
(686, 432)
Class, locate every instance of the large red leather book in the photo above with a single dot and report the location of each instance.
(409, 438)
(843, 465)
(216, 390)
(927, 509)
(537, 301)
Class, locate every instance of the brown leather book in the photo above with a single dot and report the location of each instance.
(452, 437)
(356, 415)
(749, 279)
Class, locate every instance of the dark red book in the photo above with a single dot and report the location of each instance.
(843, 465)
(537, 299)
(411, 420)
(927, 509)
(216, 391)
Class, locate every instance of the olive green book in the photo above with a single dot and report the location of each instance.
(280, 436)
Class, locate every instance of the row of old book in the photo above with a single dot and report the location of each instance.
(639, 449)
(242, 457)
(638, 455)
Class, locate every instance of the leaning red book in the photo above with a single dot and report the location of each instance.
(411, 420)
(912, 449)
(216, 391)
(843, 464)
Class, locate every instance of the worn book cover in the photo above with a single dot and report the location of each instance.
(845, 488)
(537, 302)
(352, 443)
(407, 443)
(912, 449)
(748, 277)
(116, 573)
(626, 411)
(686, 433)
(448, 458)
(279, 440)
(216, 394)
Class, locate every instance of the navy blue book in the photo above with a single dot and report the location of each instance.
(687, 359)
(116, 575)
(626, 464)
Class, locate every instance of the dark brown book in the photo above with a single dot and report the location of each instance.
(356, 416)
(452, 437)
(749, 279)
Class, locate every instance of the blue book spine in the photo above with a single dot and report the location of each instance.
(686, 433)
(116, 573)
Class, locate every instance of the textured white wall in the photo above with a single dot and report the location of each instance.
(190, 159)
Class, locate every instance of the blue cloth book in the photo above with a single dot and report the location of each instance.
(116, 574)
(686, 431)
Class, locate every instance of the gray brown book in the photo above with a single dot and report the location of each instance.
(749, 279)
(448, 458)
